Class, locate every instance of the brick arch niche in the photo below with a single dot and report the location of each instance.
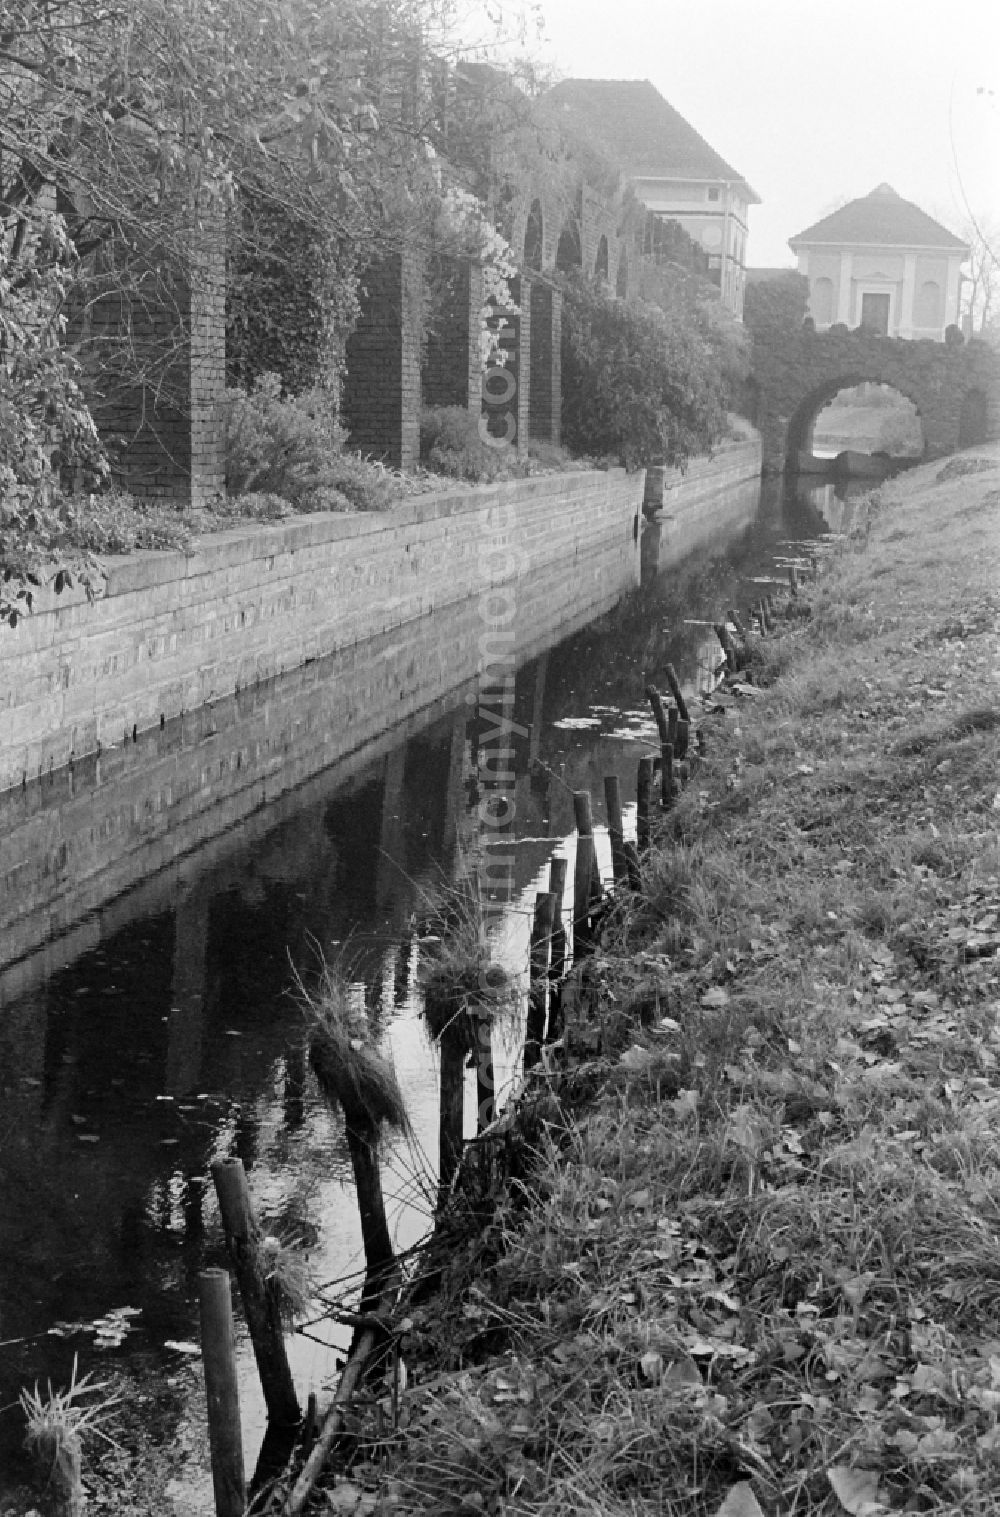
(621, 279)
(534, 237)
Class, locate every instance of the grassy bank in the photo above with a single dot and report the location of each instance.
(760, 1268)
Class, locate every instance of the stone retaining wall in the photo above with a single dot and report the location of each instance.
(174, 631)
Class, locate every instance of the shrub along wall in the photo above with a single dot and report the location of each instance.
(175, 630)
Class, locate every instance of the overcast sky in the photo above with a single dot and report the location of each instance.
(813, 101)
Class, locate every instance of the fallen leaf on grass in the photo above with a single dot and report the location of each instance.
(856, 1490)
(740, 1502)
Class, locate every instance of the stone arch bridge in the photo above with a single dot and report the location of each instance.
(956, 389)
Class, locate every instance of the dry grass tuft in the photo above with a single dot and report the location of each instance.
(462, 981)
(352, 1072)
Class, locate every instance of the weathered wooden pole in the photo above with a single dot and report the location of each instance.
(793, 580)
(485, 1073)
(643, 788)
(557, 957)
(557, 889)
(451, 1127)
(583, 888)
(616, 829)
(670, 675)
(218, 1352)
(682, 739)
(260, 1305)
(541, 942)
(633, 867)
(362, 1143)
(673, 719)
(583, 809)
(667, 775)
(659, 713)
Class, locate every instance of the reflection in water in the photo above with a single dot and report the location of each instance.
(162, 1031)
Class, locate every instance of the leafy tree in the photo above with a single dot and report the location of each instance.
(47, 434)
(776, 304)
(639, 383)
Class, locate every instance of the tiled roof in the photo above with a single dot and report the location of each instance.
(647, 137)
(884, 218)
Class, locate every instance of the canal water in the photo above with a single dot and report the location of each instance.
(165, 1030)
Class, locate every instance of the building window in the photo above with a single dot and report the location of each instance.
(713, 194)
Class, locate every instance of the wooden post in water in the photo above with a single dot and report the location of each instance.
(557, 889)
(218, 1352)
(583, 885)
(260, 1305)
(793, 580)
(541, 942)
(673, 721)
(451, 1127)
(659, 713)
(683, 738)
(584, 811)
(616, 829)
(667, 776)
(362, 1143)
(670, 674)
(557, 957)
(643, 788)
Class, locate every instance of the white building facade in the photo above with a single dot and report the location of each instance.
(882, 263)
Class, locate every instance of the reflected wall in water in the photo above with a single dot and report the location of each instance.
(76, 841)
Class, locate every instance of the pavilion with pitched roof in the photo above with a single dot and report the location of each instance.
(883, 264)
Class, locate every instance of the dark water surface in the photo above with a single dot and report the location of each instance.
(163, 1032)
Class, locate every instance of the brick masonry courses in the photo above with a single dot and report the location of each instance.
(174, 631)
(711, 495)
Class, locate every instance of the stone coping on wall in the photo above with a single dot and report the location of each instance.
(146, 568)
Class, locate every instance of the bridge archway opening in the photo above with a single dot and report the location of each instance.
(857, 416)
